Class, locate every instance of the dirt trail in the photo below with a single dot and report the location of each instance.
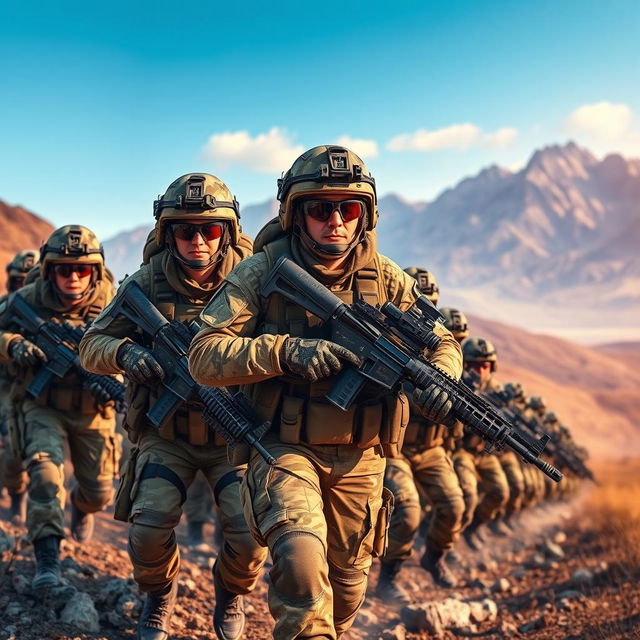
(562, 578)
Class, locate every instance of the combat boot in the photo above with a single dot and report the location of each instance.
(388, 589)
(81, 523)
(47, 552)
(194, 533)
(433, 561)
(498, 528)
(228, 614)
(18, 507)
(156, 613)
(472, 536)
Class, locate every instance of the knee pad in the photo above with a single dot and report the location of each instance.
(299, 568)
(450, 513)
(93, 499)
(151, 544)
(45, 478)
(349, 587)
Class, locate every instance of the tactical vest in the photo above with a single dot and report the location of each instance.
(187, 423)
(298, 410)
(423, 433)
(67, 394)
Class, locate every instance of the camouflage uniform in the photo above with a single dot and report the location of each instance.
(321, 509)
(424, 468)
(12, 475)
(65, 411)
(166, 462)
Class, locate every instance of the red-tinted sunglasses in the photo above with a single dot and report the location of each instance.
(65, 270)
(321, 210)
(209, 231)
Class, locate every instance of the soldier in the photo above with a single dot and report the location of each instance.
(198, 240)
(72, 288)
(422, 466)
(13, 476)
(480, 360)
(321, 509)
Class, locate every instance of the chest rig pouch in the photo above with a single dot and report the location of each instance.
(187, 423)
(298, 410)
(423, 433)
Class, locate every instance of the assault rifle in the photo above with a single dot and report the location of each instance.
(390, 343)
(228, 414)
(59, 342)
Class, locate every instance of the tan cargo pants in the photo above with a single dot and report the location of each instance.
(164, 471)
(94, 455)
(465, 468)
(512, 468)
(320, 511)
(432, 470)
(493, 482)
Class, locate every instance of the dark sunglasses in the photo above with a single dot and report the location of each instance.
(321, 210)
(65, 270)
(186, 231)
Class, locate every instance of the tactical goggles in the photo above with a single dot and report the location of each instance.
(186, 231)
(322, 210)
(65, 270)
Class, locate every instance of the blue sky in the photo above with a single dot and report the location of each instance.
(103, 106)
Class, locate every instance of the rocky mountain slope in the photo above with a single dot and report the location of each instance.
(20, 229)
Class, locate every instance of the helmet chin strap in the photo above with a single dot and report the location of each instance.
(333, 250)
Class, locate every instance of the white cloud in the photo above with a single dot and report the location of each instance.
(606, 127)
(456, 136)
(364, 148)
(271, 152)
(603, 120)
(499, 139)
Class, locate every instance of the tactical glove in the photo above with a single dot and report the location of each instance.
(313, 359)
(26, 354)
(98, 392)
(139, 365)
(433, 403)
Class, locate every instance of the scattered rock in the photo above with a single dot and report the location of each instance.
(422, 617)
(487, 565)
(396, 633)
(366, 618)
(501, 585)
(508, 628)
(81, 613)
(187, 587)
(552, 550)
(571, 594)
(20, 584)
(13, 610)
(536, 561)
(454, 612)
(113, 590)
(6, 541)
(128, 605)
(582, 577)
(479, 583)
(59, 596)
(534, 625)
(518, 573)
(560, 537)
(483, 610)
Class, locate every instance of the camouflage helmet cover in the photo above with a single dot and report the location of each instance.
(537, 403)
(196, 196)
(514, 390)
(479, 350)
(72, 243)
(550, 417)
(22, 263)
(456, 322)
(322, 170)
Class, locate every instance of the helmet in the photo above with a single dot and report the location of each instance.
(72, 243)
(514, 390)
(550, 417)
(18, 268)
(326, 169)
(426, 283)
(456, 322)
(196, 196)
(479, 350)
(537, 403)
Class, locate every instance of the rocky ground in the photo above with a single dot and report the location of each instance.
(569, 571)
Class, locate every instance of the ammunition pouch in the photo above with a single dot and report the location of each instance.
(381, 535)
(72, 399)
(424, 434)
(123, 501)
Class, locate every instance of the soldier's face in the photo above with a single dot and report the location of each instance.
(483, 369)
(72, 279)
(197, 241)
(335, 229)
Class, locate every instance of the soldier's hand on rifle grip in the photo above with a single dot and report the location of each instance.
(26, 354)
(313, 359)
(139, 365)
(433, 402)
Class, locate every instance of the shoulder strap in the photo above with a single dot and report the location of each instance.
(163, 296)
